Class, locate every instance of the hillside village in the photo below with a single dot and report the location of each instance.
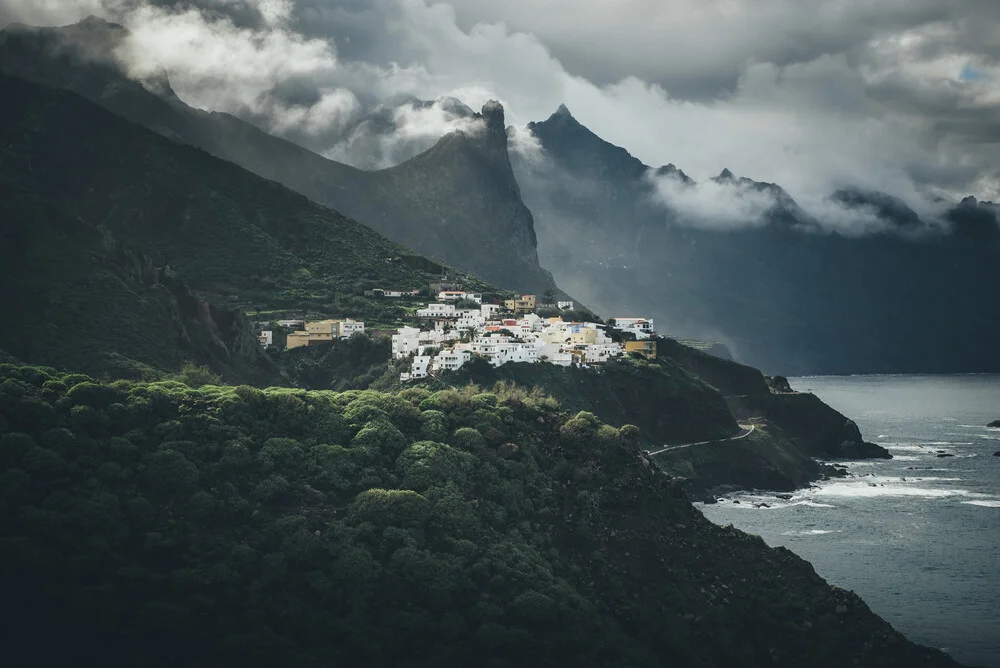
(451, 336)
(459, 327)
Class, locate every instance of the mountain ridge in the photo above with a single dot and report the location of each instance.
(779, 292)
(492, 236)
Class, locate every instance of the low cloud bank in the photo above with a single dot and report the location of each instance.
(899, 97)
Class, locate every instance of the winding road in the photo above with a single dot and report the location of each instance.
(747, 429)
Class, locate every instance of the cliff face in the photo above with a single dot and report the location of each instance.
(457, 203)
(817, 429)
(768, 459)
(790, 432)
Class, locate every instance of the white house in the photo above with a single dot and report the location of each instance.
(455, 295)
(451, 360)
(437, 311)
(266, 338)
(418, 369)
(349, 328)
(532, 321)
(470, 320)
(379, 292)
(405, 342)
(641, 327)
(601, 352)
(489, 310)
(293, 324)
(565, 306)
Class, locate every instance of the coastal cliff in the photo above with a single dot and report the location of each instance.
(791, 431)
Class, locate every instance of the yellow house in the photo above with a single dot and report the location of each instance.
(645, 348)
(523, 303)
(331, 327)
(586, 336)
(315, 332)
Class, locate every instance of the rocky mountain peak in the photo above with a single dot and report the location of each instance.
(725, 175)
(671, 170)
(493, 114)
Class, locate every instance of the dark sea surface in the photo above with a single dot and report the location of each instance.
(918, 536)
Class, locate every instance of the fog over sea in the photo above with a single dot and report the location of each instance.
(918, 536)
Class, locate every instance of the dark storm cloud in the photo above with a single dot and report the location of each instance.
(901, 95)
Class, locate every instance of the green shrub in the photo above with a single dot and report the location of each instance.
(196, 376)
(426, 463)
(94, 395)
(390, 507)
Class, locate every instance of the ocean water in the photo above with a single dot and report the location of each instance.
(918, 536)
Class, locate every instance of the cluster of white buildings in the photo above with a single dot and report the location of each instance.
(454, 336)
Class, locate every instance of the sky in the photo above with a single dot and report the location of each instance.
(895, 95)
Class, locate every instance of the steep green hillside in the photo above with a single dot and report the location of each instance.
(157, 525)
(225, 231)
(727, 376)
(667, 404)
(457, 203)
(77, 299)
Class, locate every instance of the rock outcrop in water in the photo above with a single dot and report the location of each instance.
(995, 424)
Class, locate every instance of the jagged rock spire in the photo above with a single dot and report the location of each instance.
(493, 114)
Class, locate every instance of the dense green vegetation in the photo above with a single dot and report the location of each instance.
(77, 299)
(668, 404)
(231, 235)
(161, 525)
(361, 362)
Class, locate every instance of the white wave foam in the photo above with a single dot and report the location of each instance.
(865, 490)
(983, 503)
(905, 458)
(809, 532)
(925, 478)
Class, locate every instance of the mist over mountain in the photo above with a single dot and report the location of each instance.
(457, 202)
(787, 285)
(860, 285)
